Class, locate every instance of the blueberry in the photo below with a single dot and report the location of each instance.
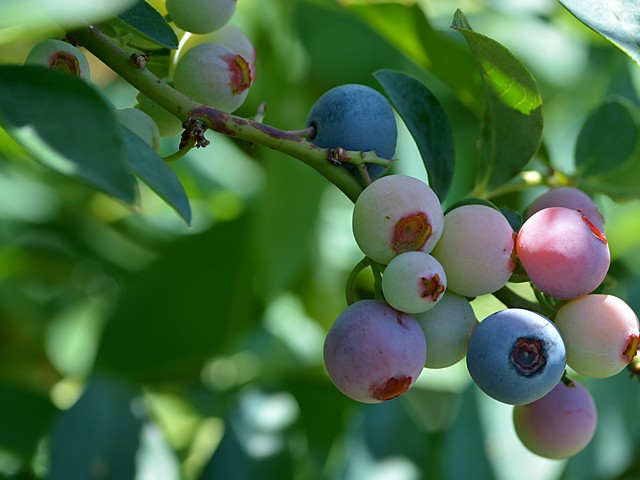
(355, 117)
(563, 252)
(516, 356)
(558, 425)
(374, 353)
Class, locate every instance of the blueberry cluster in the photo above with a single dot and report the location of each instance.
(433, 265)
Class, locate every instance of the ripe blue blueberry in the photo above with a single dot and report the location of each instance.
(516, 356)
(355, 117)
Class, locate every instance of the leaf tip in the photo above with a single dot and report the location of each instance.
(460, 21)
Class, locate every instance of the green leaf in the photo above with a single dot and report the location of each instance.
(160, 177)
(618, 22)
(25, 417)
(238, 455)
(67, 125)
(184, 308)
(608, 139)
(471, 201)
(26, 18)
(620, 185)
(512, 121)
(98, 437)
(428, 123)
(408, 29)
(144, 21)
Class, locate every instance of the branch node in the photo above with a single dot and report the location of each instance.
(139, 60)
(193, 133)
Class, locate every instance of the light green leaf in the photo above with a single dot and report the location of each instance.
(512, 121)
(408, 29)
(618, 22)
(428, 123)
(67, 125)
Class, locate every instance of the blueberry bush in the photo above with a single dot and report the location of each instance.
(319, 239)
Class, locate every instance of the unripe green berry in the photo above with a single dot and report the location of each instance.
(447, 329)
(229, 36)
(413, 282)
(141, 124)
(168, 124)
(396, 214)
(201, 16)
(214, 75)
(59, 55)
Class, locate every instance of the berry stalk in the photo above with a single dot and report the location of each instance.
(325, 161)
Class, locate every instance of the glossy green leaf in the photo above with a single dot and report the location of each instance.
(25, 417)
(618, 22)
(183, 309)
(67, 125)
(408, 29)
(99, 436)
(428, 123)
(608, 139)
(160, 177)
(145, 21)
(512, 121)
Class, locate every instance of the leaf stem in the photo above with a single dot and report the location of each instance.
(325, 161)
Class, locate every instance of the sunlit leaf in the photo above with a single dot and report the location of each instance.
(428, 123)
(408, 29)
(512, 121)
(618, 21)
(67, 125)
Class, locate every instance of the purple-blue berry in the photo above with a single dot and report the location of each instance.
(516, 356)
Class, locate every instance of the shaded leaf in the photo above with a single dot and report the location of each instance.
(471, 201)
(512, 121)
(183, 309)
(252, 447)
(608, 138)
(67, 125)
(145, 21)
(160, 177)
(25, 417)
(408, 29)
(618, 22)
(98, 437)
(619, 185)
(428, 123)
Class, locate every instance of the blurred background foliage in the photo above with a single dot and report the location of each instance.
(132, 346)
